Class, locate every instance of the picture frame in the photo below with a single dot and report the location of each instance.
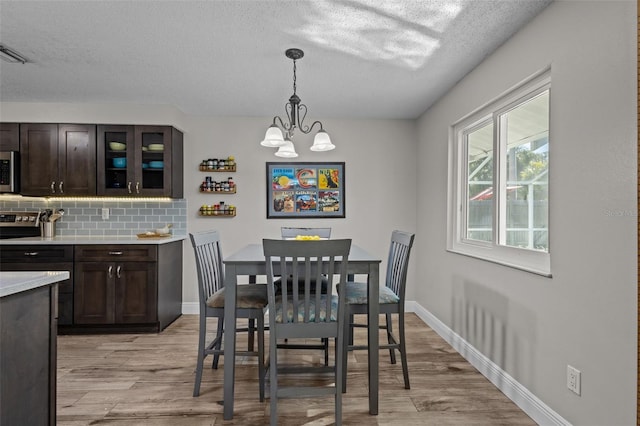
(305, 190)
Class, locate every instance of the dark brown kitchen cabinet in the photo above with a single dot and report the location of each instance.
(139, 161)
(115, 292)
(58, 159)
(127, 287)
(9, 137)
(44, 258)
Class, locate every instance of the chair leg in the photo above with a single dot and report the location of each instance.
(403, 351)
(261, 368)
(340, 374)
(273, 380)
(216, 357)
(325, 342)
(201, 347)
(392, 351)
(347, 336)
(351, 321)
(252, 330)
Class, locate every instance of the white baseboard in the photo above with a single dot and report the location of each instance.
(521, 396)
(190, 308)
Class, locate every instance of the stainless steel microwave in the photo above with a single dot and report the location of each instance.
(9, 172)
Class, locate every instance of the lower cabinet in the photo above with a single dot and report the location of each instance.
(127, 287)
(112, 288)
(44, 258)
(115, 292)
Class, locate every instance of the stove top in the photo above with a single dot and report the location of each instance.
(19, 224)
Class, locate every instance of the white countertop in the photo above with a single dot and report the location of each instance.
(74, 240)
(16, 282)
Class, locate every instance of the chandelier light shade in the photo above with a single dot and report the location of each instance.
(322, 142)
(273, 138)
(280, 132)
(287, 150)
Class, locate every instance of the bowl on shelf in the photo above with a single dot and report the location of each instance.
(156, 164)
(120, 162)
(117, 146)
(156, 147)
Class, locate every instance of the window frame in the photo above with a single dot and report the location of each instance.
(535, 261)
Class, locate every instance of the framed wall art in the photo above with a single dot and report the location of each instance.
(305, 190)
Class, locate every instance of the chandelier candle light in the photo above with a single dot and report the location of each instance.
(296, 113)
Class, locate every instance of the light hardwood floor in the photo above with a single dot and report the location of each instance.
(147, 379)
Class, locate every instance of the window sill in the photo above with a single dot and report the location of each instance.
(525, 260)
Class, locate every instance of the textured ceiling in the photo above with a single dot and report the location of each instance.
(363, 58)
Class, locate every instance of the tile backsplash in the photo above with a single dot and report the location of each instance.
(84, 218)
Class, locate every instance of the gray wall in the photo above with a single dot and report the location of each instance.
(531, 326)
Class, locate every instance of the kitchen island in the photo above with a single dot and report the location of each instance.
(28, 328)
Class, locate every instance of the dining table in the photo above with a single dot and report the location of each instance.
(250, 261)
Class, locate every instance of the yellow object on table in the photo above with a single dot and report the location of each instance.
(307, 237)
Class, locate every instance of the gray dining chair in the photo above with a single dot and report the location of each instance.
(305, 314)
(391, 301)
(250, 305)
(288, 232)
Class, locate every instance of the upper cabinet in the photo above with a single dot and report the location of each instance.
(9, 137)
(58, 159)
(140, 161)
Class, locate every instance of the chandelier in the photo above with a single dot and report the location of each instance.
(296, 113)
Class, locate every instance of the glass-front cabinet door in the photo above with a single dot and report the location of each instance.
(115, 171)
(153, 164)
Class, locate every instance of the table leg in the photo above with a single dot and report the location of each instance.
(231, 280)
(373, 321)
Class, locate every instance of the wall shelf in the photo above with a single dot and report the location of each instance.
(217, 213)
(233, 191)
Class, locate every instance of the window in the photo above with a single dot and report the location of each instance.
(499, 179)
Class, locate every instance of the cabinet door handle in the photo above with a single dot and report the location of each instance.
(60, 187)
(110, 271)
(118, 271)
(137, 187)
(115, 253)
(31, 253)
(129, 187)
(53, 187)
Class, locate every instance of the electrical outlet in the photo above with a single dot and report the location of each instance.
(573, 379)
(105, 213)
